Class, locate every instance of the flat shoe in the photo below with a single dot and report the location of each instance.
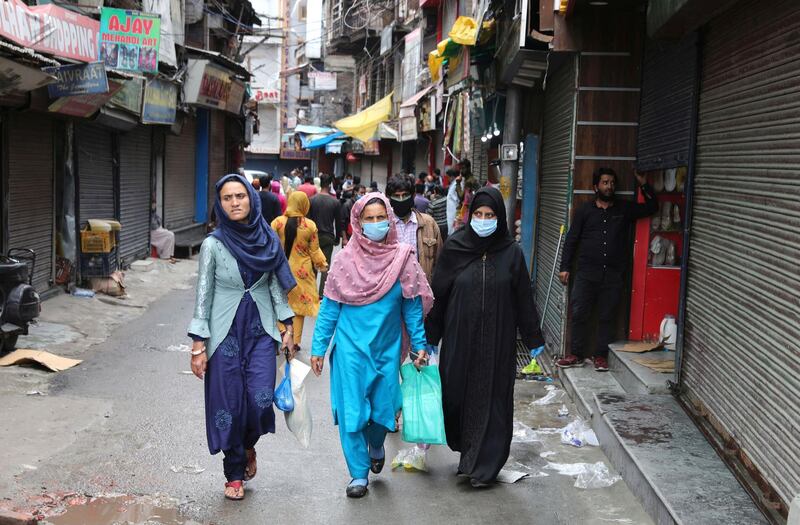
(376, 465)
(356, 491)
(476, 484)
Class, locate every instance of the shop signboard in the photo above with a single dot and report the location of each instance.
(322, 80)
(160, 99)
(129, 39)
(212, 86)
(129, 97)
(50, 29)
(372, 148)
(84, 106)
(235, 97)
(18, 78)
(77, 79)
(268, 96)
(291, 148)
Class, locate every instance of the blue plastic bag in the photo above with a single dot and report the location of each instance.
(283, 394)
(423, 419)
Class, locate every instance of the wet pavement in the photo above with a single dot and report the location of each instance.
(128, 424)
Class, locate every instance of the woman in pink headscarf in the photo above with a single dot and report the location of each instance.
(275, 187)
(374, 287)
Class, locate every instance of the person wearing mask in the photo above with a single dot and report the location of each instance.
(308, 186)
(326, 212)
(438, 209)
(300, 241)
(348, 182)
(242, 284)
(483, 297)
(421, 203)
(270, 204)
(376, 286)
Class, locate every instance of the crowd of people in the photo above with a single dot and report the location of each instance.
(426, 267)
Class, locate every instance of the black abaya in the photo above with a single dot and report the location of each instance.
(476, 316)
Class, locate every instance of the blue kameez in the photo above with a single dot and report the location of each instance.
(365, 368)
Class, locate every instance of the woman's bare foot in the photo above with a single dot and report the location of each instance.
(252, 468)
(234, 490)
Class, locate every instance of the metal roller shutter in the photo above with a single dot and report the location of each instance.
(557, 140)
(217, 147)
(741, 353)
(179, 182)
(95, 173)
(669, 81)
(134, 182)
(31, 202)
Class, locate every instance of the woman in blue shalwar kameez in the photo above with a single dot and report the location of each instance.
(375, 285)
(242, 285)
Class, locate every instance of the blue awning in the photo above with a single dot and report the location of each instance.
(335, 146)
(323, 141)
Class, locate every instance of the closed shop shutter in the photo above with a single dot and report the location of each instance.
(134, 182)
(669, 81)
(179, 182)
(95, 173)
(741, 341)
(216, 161)
(31, 202)
(557, 139)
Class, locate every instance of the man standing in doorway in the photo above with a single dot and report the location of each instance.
(326, 212)
(599, 235)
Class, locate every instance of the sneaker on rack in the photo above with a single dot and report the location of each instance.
(571, 361)
(600, 364)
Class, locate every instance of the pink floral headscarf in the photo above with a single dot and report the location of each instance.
(364, 271)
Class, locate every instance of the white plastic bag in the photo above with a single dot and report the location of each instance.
(412, 458)
(299, 419)
(578, 434)
(596, 476)
(553, 397)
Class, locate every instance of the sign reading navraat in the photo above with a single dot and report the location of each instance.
(77, 79)
(129, 39)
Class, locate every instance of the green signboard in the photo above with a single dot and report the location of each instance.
(129, 40)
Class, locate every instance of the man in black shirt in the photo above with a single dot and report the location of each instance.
(599, 233)
(326, 212)
(270, 205)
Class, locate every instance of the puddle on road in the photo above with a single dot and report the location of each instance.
(122, 510)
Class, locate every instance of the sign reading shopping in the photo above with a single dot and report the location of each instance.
(129, 40)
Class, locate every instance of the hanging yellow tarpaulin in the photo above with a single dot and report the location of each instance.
(363, 124)
(435, 64)
(464, 31)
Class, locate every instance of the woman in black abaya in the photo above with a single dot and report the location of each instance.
(483, 295)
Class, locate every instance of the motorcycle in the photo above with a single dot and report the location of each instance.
(20, 304)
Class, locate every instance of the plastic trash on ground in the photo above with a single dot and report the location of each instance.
(552, 397)
(578, 434)
(596, 476)
(412, 458)
(523, 433)
(563, 411)
(299, 420)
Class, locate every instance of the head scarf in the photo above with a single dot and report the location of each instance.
(275, 186)
(298, 204)
(364, 271)
(254, 244)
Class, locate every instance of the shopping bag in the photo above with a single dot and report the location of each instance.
(283, 394)
(423, 420)
(299, 420)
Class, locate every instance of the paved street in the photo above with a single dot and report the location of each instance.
(118, 422)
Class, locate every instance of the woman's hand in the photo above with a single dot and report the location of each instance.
(287, 343)
(200, 361)
(316, 365)
(422, 359)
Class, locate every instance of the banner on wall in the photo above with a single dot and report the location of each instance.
(129, 39)
(84, 106)
(50, 29)
(212, 86)
(322, 80)
(160, 99)
(77, 79)
(129, 97)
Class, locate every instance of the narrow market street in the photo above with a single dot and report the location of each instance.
(125, 419)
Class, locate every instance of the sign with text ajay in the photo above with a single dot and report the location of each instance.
(129, 39)
(160, 99)
(77, 79)
(50, 29)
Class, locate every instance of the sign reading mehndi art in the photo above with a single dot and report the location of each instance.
(129, 40)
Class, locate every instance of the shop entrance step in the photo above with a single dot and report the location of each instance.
(582, 383)
(636, 378)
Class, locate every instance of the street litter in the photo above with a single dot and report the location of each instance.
(547, 454)
(29, 467)
(187, 372)
(552, 397)
(52, 362)
(112, 285)
(523, 433)
(579, 434)
(410, 459)
(563, 411)
(178, 348)
(82, 292)
(550, 387)
(34, 393)
(510, 476)
(588, 475)
(187, 469)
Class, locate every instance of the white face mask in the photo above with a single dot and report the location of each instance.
(483, 227)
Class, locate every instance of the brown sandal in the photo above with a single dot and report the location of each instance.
(236, 485)
(251, 469)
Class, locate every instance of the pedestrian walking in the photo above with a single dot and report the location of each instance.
(242, 284)
(483, 296)
(599, 236)
(300, 241)
(308, 186)
(275, 186)
(455, 197)
(420, 201)
(326, 212)
(438, 209)
(270, 204)
(347, 206)
(376, 285)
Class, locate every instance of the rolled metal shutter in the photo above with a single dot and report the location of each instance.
(668, 86)
(134, 182)
(742, 336)
(556, 166)
(179, 183)
(95, 173)
(217, 147)
(31, 202)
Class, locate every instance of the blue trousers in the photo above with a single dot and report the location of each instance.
(356, 447)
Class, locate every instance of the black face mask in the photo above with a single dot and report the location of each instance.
(402, 207)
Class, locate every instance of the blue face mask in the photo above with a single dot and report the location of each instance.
(483, 227)
(375, 231)
(358, 196)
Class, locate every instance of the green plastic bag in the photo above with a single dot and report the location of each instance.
(423, 420)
